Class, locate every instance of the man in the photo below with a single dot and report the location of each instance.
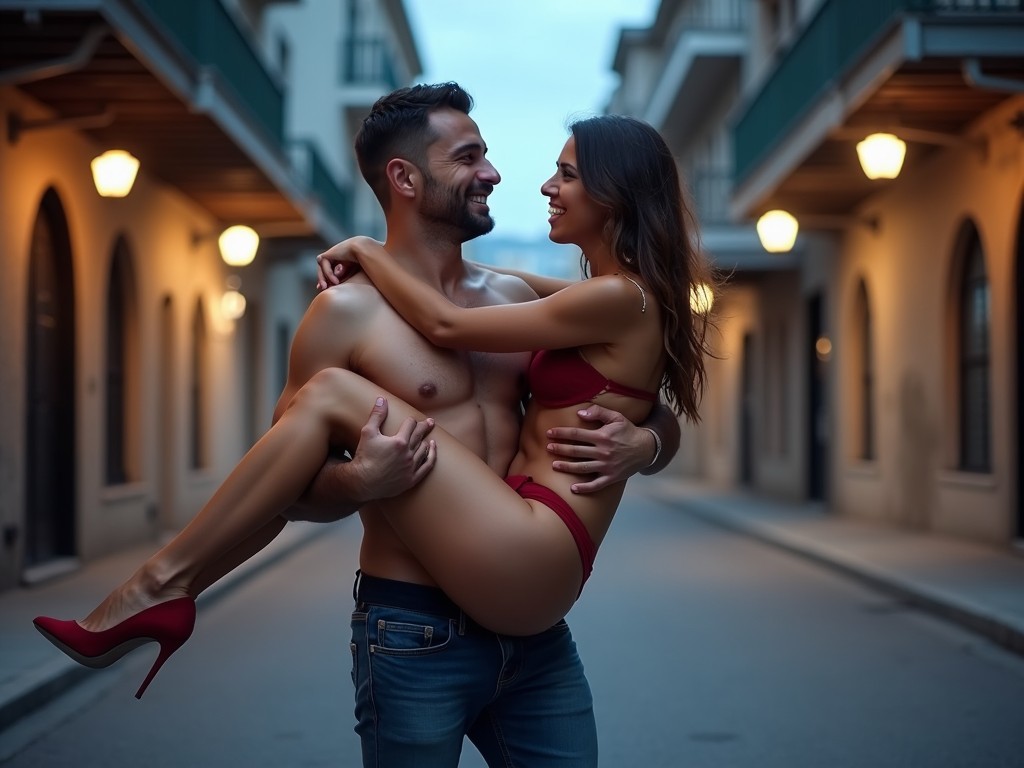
(419, 690)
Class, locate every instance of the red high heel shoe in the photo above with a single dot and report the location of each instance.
(169, 624)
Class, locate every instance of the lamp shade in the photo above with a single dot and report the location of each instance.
(701, 298)
(114, 172)
(238, 245)
(777, 231)
(881, 155)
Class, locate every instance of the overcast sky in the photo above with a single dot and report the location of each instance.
(530, 65)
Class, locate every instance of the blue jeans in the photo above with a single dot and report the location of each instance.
(426, 676)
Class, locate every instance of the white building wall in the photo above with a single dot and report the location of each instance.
(314, 33)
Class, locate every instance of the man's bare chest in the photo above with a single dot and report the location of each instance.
(433, 379)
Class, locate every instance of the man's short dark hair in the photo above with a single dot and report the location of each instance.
(398, 126)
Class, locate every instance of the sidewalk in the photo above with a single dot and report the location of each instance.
(33, 672)
(978, 587)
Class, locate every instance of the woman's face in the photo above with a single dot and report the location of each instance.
(574, 216)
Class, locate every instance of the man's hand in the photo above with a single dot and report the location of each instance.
(386, 466)
(614, 451)
(381, 467)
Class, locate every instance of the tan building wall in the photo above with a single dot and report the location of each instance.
(156, 222)
(910, 270)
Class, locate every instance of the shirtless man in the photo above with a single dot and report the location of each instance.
(426, 675)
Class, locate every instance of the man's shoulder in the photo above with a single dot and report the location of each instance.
(502, 288)
(339, 317)
(353, 298)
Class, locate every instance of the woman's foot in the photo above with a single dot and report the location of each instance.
(143, 590)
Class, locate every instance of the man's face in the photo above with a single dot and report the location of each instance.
(458, 178)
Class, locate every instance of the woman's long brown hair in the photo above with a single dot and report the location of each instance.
(626, 165)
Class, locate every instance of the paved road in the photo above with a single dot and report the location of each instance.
(703, 649)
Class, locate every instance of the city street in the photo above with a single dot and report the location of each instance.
(704, 649)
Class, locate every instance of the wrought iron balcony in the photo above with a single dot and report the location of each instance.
(367, 61)
(838, 36)
(207, 33)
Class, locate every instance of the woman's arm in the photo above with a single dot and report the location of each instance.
(587, 312)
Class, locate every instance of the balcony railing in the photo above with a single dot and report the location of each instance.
(336, 201)
(367, 61)
(207, 33)
(836, 37)
(710, 190)
(729, 15)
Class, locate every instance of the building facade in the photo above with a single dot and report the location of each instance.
(132, 384)
(878, 365)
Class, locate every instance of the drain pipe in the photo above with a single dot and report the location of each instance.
(54, 67)
(971, 69)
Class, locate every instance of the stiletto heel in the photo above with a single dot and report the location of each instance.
(170, 624)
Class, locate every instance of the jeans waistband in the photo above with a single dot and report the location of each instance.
(404, 594)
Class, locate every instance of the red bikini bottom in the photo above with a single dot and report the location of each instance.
(525, 487)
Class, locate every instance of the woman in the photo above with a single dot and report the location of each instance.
(514, 554)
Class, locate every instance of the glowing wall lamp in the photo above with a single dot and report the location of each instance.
(881, 155)
(114, 172)
(232, 304)
(702, 298)
(232, 301)
(238, 245)
(777, 230)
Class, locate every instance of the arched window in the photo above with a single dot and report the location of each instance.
(862, 348)
(974, 326)
(121, 367)
(197, 389)
(50, 378)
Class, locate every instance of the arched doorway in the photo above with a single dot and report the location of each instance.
(1019, 303)
(50, 365)
(817, 404)
(168, 409)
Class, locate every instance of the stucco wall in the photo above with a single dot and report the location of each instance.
(157, 223)
(910, 270)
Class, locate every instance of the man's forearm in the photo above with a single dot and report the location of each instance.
(665, 425)
(330, 496)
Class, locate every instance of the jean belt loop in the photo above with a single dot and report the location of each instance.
(462, 623)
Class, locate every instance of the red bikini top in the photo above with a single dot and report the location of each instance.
(559, 378)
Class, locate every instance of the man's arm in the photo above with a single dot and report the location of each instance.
(617, 449)
(381, 465)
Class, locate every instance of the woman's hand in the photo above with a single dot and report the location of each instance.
(339, 262)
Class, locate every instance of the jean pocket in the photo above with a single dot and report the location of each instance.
(355, 662)
(410, 634)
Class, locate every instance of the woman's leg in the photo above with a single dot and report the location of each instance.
(237, 555)
(510, 563)
(511, 568)
(241, 517)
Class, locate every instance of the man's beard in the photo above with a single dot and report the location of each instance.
(447, 206)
